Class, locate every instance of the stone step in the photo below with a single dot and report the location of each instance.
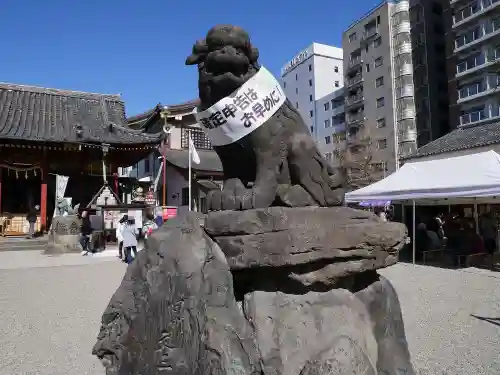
(23, 244)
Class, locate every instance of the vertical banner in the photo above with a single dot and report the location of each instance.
(61, 184)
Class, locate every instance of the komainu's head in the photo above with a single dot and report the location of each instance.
(226, 60)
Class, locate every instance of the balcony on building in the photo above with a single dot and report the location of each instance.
(354, 101)
(354, 63)
(355, 117)
(478, 61)
(403, 48)
(473, 11)
(487, 29)
(406, 113)
(485, 86)
(406, 148)
(354, 82)
(358, 138)
(405, 91)
(370, 32)
(478, 115)
(401, 6)
(404, 69)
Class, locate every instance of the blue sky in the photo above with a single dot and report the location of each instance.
(138, 47)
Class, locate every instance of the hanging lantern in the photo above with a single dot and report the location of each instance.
(34, 172)
(17, 175)
(26, 175)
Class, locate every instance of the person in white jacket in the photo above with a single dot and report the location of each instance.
(119, 236)
(129, 233)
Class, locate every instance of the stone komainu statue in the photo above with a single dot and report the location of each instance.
(276, 164)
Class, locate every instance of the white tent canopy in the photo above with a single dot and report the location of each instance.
(474, 175)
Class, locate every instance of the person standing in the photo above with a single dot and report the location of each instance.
(119, 236)
(489, 232)
(31, 218)
(129, 233)
(149, 226)
(85, 233)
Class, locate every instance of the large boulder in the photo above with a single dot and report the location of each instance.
(175, 311)
(308, 303)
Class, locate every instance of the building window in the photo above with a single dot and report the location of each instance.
(296, 90)
(327, 123)
(367, 68)
(327, 106)
(378, 61)
(328, 139)
(378, 20)
(310, 67)
(310, 83)
(199, 138)
(185, 197)
(352, 37)
(381, 144)
(297, 105)
(310, 98)
(381, 122)
(336, 69)
(147, 167)
(379, 82)
(284, 85)
(328, 156)
(337, 84)
(312, 129)
(377, 42)
(311, 113)
(380, 102)
(296, 77)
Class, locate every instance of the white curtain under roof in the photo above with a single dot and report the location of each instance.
(474, 175)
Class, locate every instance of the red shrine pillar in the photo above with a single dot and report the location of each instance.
(43, 198)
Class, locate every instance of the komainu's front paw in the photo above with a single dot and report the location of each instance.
(235, 196)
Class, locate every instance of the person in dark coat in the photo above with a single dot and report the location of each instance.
(31, 218)
(85, 233)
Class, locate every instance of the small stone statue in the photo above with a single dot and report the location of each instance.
(63, 208)
(139, 195)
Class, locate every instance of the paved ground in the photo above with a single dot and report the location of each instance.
(50, 310)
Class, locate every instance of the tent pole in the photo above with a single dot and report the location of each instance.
(476, 219)
(414, 232)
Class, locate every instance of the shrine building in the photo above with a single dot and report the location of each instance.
(207, 175)
(47, 132)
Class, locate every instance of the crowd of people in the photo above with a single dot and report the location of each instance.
(457, 234)
(126, 232)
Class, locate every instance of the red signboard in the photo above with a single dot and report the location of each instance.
(169, 213)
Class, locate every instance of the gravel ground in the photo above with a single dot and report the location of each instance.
(50, 316)
(438, 304)
(50, 311)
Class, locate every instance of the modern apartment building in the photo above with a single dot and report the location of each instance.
(380, 106)
(430, 79)
(312, 74)
(330, 125)
(474, 53)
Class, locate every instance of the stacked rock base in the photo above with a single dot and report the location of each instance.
(64, 237)
(281, 291)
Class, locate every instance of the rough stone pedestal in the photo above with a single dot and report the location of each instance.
(306, 298)
(64, 236)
